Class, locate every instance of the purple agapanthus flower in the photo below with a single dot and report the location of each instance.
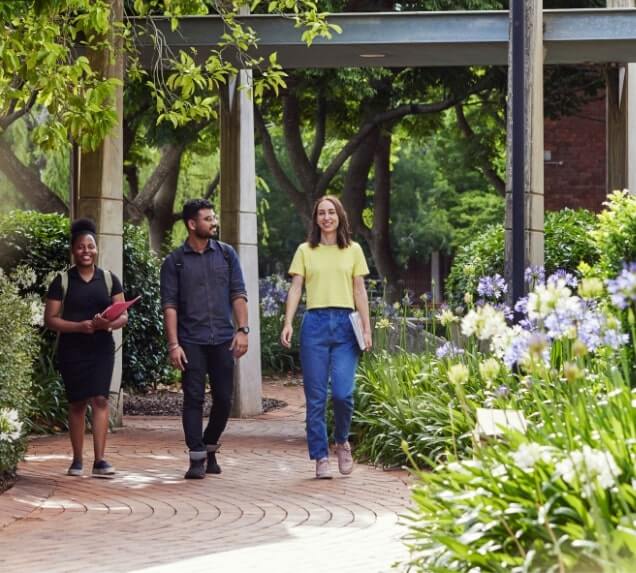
(502, 391)
(408, 298)
(493, 287)
(534, 275)
(448, 350)
(568, 278)
(622, 289)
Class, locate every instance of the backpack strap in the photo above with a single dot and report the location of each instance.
(179, 252)
(108, 279)
(64, 280)
(225, 249)
(64, 284)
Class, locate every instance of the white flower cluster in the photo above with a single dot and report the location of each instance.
(10, 425)
(484, 322)
(527, 455)
(589, 467)
(24, 276)
(551, 297)
(37, 311)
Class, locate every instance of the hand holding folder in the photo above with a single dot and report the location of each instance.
(116, 309)
(356, 322)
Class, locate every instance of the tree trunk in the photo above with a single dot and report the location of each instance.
(161, 217)
(380, 243)
(355, 184)
(27, 182)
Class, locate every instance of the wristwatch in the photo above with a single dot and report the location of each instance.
(243, 329)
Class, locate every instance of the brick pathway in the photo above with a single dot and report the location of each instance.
(264, 513)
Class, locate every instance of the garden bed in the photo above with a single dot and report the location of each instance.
(7, 480)
(170, 403)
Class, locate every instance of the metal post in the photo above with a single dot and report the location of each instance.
(518, 149)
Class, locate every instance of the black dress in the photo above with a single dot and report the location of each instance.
(85, 361)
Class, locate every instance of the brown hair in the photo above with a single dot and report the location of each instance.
(343, 232)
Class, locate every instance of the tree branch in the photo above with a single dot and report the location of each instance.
(211, 190)
(321, 132)
(28, 183)
(13, 115)
(291, 128)
(390, 116)
(484, 166)
(170, 157)
(299, 199)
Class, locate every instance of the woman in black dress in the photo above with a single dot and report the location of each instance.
(86, 349)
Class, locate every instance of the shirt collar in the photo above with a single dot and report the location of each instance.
(74, 273)
(188, 249)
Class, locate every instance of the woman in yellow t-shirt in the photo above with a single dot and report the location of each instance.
(332, 268)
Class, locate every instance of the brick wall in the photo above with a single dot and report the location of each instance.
(575, 159)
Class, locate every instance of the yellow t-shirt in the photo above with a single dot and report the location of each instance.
(328, 272)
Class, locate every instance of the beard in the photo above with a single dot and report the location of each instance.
(205, 233)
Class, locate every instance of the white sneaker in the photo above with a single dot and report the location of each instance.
(345, 460)
(322, 469)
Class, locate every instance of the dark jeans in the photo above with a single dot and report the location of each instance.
(218, 363)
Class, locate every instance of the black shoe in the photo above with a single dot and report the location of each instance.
(196, 469)
(75, 469)
(103, 469)
(212, 467)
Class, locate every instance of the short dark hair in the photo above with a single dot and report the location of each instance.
(81, 227)
(192, 207)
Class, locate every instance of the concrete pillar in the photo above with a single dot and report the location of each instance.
(99, 192)
(436, 278)
(621, 120)
(532, 156)
(239, 226)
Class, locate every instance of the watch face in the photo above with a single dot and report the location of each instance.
(244, 329)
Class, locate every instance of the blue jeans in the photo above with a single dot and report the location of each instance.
(328, 350)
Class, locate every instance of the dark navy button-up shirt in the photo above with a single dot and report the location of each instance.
(202, 291)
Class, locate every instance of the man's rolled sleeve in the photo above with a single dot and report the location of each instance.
(169, 284)
(237, 284)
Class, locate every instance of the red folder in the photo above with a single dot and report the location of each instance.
(116, 309)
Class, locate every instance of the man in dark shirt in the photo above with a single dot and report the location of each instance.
(201, 286)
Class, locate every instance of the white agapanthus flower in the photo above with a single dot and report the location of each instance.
(527, 455)
(489, 369)
(458, 374)
(446, 317)
(589, 467)
(37, 312)
(10, 425)
(484, 322)
(546, 299)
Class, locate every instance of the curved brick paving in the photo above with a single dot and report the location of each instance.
(264, 513)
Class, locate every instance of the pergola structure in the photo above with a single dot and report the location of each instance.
(525, 38)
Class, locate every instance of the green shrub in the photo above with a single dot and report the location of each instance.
(561, 494)
(560, 498)
(568, 242)
(39, 241)
(145, 358)
(18, 340)
(615, 235)
(483, 256)
(406, 399)
(274, 356)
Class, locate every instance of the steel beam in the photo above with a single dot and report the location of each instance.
(423, 39)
